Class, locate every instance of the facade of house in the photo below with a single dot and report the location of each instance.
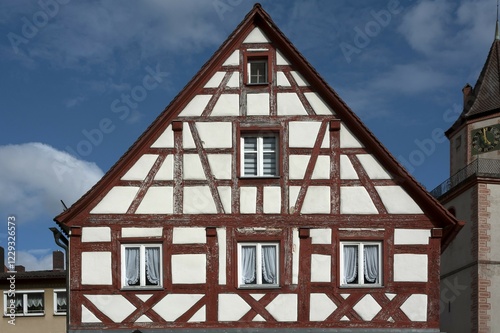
(256, 202)
(34, 301)
(470, 280)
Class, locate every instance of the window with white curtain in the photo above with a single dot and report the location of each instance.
(258, 265)
(259, 155)
(360, 264)
(60, 301)
(25, 303)
(141, 265)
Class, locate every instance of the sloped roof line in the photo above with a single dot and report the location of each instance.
(258, 17)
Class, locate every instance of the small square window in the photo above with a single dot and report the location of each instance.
(24, 303)
(360, 264)
(141, 265)
(258, 265)
(259, 155)
(60, 302)
(257, 71)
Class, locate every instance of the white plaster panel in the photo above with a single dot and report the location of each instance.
(96, 268)
(272, 200)
(326, 141)
(225, 198)
(200, 316)
(345, 296)
(411, 236)
(166, 170)
(233, 59)
(223, 139)
(196, 106)
(157, 200)
(187, 137)
(415, 307)
(321, 266)
(88, 317)
(390, 296)
(192, 168)
(295, 256)
(258, 104)
(299, 79)
(297, 165)
(347, 171)
(317, 200)
(248, 200)
(227, 105)
(281, 80)
(367, 308)
(143, 297)
(289, 104)
(165, 140)
(322, 168)
(283, 307)
(234, 80)
(116, 307)
(232, 307)
(96, 234)
(397, 201)
(321, 306)
(303, 134)
(293, 195)
(347, 139)
(198, 200)
(321, 236)
(257, 297)
(215, 80)
(221, 238)
(141, 232)
(356, 200)
(317, 103)
(344, 318)
(373, 168)
(141, 168)
(116, 201)
(258, 318)
(256, 36)
(173, 306)
(143, 319)
(189, 268)
(183, 235)
(280, 59)
(220, 165)
(410, 267)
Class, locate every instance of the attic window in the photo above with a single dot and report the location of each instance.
(257, 71)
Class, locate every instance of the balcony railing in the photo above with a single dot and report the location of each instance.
(480, 167)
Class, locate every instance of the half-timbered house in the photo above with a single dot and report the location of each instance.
(256, 200)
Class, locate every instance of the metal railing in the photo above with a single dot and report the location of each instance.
(481, 167)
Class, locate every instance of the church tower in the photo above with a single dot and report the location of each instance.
(470, 270)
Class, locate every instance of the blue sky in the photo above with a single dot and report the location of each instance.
(74, 95)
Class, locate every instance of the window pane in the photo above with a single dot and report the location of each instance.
(269, 143)
(132, 266)
(152, 266)
(258, 72)
(350, 264)
(35, 302)
(18, 303)
(269, 264)
(250, 144)
(62, 301)
(371, 264)
(269, 164)
(250, 168)
(248, 265)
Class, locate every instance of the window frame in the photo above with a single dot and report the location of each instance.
(57, 312)
(260, 134)
(361, 245)
(25, 312)
(142, 273)
(257, 56)
(258, 273)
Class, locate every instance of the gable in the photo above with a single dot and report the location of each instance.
(190, 159)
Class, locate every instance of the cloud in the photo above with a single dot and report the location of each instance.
(35, 260)
(34, 177)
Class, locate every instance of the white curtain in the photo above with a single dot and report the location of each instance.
(62, 300)
(350, 263)
(132, 268)
(35, 302)
(248, 254)
(371, 263)
(153, 265)
(268, 264)
(19, 303)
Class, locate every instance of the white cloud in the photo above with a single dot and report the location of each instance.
(34, 177)
(35, 260)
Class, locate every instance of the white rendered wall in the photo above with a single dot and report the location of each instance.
(173, 306)
(189, 268)
(131, 232)
(321, 268)
(96, 268)
(116, 307)
(410, 268)
(96, 234)
(185, 235)
(157, 200)
(116, 201)
(198, 200)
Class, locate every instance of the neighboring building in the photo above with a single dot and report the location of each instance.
(257, 202)
(39, 303)
(470, 270)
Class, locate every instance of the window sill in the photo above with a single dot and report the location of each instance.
(361, 286)
(260, 177)
(258, 287)
(140, 288)
(25, 315)
(257, 84)
(59, 313)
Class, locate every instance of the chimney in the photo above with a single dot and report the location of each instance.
(58, 261)
(20, 268)
(467, 92)
(2, 260)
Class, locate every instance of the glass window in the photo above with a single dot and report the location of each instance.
(60, 301)
(360, 264)
(24, 303)
(257, 71)
(260, 154)
(141, 265)
(258, 264)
